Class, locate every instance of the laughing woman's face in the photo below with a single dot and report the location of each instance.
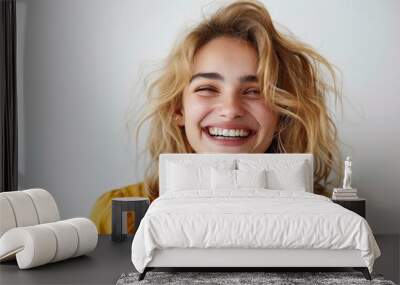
(223, 110)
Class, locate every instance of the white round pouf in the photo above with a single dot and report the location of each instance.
(7, 216)
(45, 205)
(30, 230)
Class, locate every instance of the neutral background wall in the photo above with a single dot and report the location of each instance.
(82, 63)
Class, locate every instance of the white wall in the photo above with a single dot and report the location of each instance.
(81, 63)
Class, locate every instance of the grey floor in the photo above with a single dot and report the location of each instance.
(389, 262)
(110, 260)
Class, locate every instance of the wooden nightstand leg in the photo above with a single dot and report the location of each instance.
(116, 223)
(364, 271)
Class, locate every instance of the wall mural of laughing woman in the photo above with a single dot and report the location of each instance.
(235, 84)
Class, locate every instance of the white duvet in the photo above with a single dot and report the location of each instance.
(251, 218)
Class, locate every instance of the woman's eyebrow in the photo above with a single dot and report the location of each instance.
(217, 76)
(248, 78)
(208, 75)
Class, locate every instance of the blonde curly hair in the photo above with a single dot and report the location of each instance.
(291, 76)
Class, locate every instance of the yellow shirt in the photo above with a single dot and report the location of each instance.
(101, 211)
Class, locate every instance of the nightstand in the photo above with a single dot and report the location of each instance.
(121, 206)
(356, 205)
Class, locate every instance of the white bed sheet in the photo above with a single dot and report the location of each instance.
(251, 218)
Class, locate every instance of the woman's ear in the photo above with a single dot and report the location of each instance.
(179, 118)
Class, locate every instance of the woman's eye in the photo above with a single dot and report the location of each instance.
(252, 92)
(205, 90)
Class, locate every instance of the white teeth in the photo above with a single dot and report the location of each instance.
(228, 132)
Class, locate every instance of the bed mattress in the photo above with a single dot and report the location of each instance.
(250, 219)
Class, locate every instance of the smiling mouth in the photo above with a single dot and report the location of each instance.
(224, 135)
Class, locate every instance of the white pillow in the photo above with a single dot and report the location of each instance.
(186, 175)
(289, 179)
(223, 179)
(182, 177)
(281, 174)
(251, 178)
(235, 179)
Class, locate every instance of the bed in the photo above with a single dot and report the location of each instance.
(247, 211)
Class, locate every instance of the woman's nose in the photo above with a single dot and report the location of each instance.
(230, 107)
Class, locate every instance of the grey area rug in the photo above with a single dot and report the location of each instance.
(230, 278)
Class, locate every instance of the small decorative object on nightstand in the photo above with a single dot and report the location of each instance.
(347, 174)
(124, 204)
(347, 196)
(346, 192)
(355, 205)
